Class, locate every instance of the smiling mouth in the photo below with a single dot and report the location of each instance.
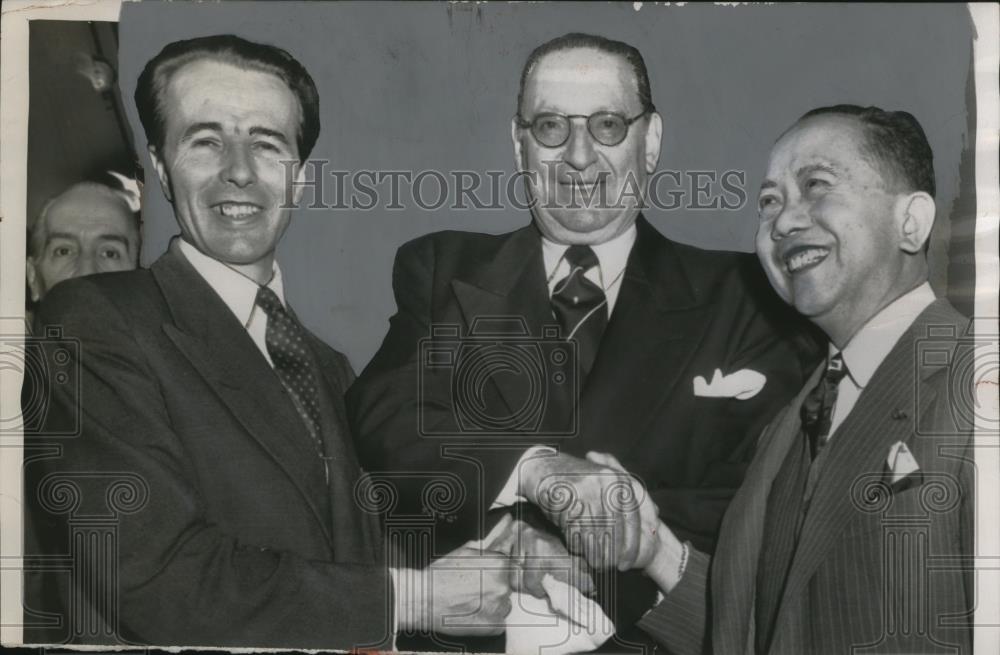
(803, 258)
(237, 210)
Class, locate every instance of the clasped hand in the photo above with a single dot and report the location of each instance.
(467, 592)
(607, 520)
(604, 513)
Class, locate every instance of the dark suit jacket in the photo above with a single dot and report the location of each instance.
(879, 567)
(227, 533)
(681, 312)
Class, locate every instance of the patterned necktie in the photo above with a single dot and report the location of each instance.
(580, 306)
(817, 409)
(293, 362)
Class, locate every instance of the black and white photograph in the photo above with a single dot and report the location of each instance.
(534, 328)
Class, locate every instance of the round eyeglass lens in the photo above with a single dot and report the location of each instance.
(607, 128)
(551, 130)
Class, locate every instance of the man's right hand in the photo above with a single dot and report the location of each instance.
(661, 553)
(602, 510)
(539, 551)
(466, 592)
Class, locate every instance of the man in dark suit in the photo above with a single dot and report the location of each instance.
(206, 430)
(681, 355)
(853, 531)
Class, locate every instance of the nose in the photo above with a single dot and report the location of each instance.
(794, 217)
(86, 264)
(238, 168)
(580, 153)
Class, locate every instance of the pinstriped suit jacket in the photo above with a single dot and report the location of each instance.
(879, 567)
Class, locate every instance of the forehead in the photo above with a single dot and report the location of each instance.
(208, 90)
(838, 142)
(79, 211)
(582, 80)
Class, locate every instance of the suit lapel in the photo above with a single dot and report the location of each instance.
(210, 337)
(512, 286)
(356, 536)
(884, 414)
(654, 331)
(734, 570)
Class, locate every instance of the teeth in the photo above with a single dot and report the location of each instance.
(805, 258)
(237, 210)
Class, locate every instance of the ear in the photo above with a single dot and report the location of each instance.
(915, 217)
(34, 280)
(515, 137)
(161, 172)
(654, 134)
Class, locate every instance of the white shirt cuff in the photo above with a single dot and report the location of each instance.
(395, 614)
(508, 495)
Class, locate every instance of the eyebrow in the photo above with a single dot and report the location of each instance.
(117, 238)
(217, 127)
(266, 131)
(813, 168)
(52, 236)
(803, 171)
(198, 127)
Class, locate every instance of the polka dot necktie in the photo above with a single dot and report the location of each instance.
(293, 362)
(817, 409)
(580, 306)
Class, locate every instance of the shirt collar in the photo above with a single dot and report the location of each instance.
(866, 349)
(236, 290)
(611, 255)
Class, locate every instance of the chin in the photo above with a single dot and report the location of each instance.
(810, 304)
(589, 221)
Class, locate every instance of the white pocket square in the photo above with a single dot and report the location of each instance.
(742, 384)
(900, 462)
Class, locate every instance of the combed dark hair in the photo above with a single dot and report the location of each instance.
(233, 50)
(896, 141)
(575, 40)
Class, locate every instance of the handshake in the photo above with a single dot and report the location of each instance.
(596, 517)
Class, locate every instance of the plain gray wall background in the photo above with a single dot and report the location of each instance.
(424, 86)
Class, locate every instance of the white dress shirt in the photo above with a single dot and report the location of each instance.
(238, 292)
(869, 347)
(612, 256)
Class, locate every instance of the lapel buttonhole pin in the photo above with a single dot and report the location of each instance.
(898, 414)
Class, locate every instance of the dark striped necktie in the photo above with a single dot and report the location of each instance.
(817, 409)
(580, 306)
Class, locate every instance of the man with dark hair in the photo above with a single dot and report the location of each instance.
(88, 228)
(208, 423)
(232, 50)
(854, 527)
(680, 355)
(896, 140)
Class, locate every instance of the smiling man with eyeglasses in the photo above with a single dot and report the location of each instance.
(646, 319)
(588, 135)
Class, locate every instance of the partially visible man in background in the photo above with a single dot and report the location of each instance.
(88, 228)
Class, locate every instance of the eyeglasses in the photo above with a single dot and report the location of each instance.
(552, 130)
